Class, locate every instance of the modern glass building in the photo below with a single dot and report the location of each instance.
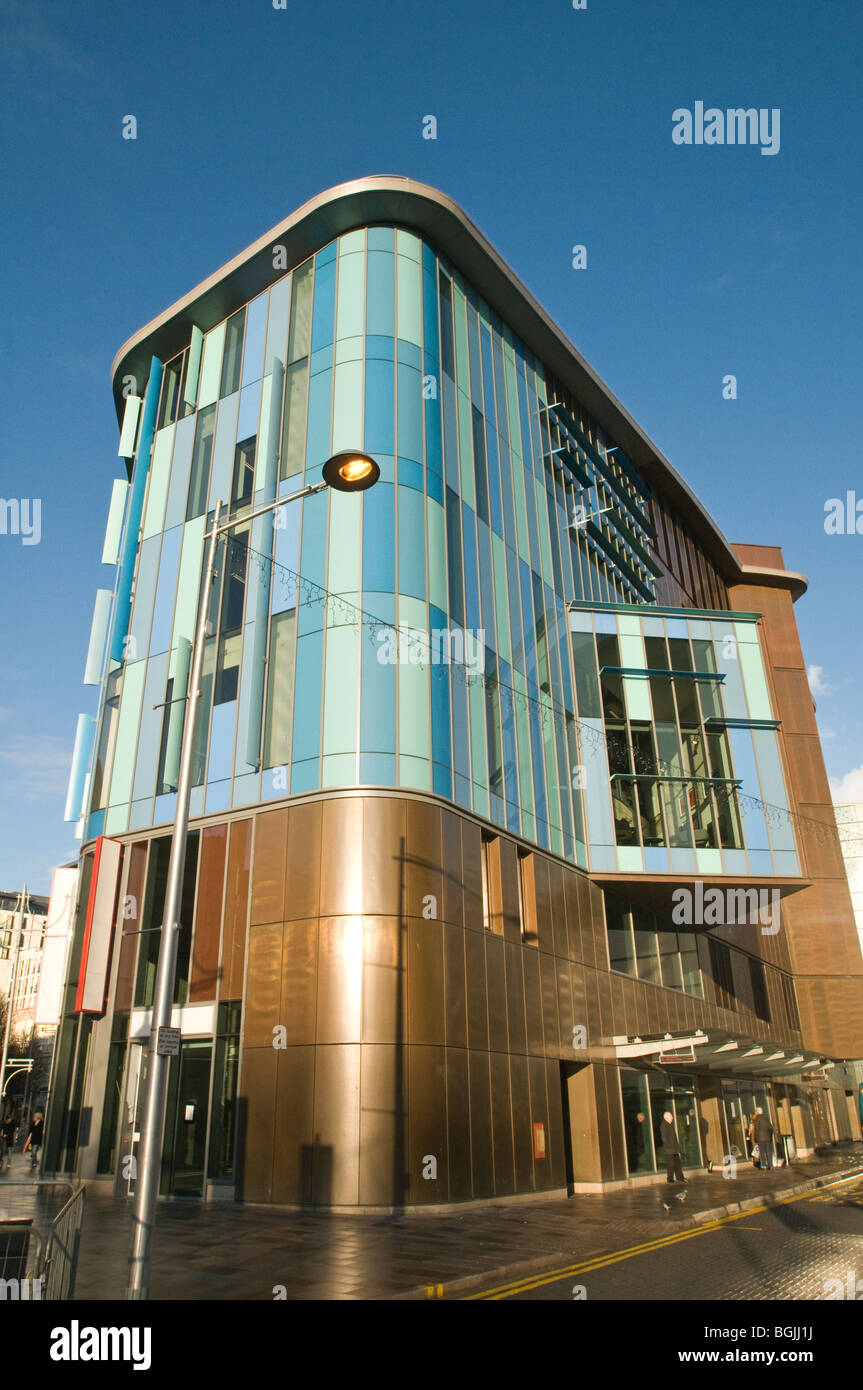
(495, 764)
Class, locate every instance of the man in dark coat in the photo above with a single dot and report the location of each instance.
(763, 1135)
(671, 1149)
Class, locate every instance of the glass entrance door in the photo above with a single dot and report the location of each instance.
(186, 1115)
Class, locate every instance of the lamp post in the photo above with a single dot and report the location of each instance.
(349, 471)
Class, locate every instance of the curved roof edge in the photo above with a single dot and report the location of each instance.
(419, 207)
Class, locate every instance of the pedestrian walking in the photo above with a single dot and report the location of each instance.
(704, 1130)
(671, 1149)
(7, 1138)
(34, 1139)
(763, 1132)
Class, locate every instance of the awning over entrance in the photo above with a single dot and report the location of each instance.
(729, 1053)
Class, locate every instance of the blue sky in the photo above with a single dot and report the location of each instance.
(554, 128)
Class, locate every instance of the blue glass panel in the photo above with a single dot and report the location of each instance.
(277, 323)
(486, 582)
(450, 435)
(409, 354)
(327, 255)
(471, 580)
(378, 769)
(435, 486)
(253, 350)
(773, 785)
(412, 550)
(510, 532)
(454, 554)
(307, 698)
(379, 293)
(250, 405)
(378, 700)
(95, 825)
(381, 238)
(304, 777)
(410, 474)
(379, 564)
(442, 780)
(218, 796)
(410, 413)
(318, 438)
(380, 407)
(163, 610)
(513, 596)
(529, 623)
(321, 360)
(150, 731)
(286, 555)
(381, 345)
(181, 464)
(142, 610)
(324, 312)
(313, 566)
(224, 447)
(430, 326)
(221, 757)
(440, 694)
(743, 754)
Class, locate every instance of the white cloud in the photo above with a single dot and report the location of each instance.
(847, 788)
(35, 767)
(817, 684)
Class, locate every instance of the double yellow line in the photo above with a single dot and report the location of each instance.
(537, 1281)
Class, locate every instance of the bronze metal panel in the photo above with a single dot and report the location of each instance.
(482, 1158)
(585, 914)
(424, 859)
(538, 1114)
(427, 1126)
(514, 998)
(606, 1021)
(452, 876)
(425, 982)
(555, 1139)
(300, 981)
(384, 981)
(294, 1133)
(573, 898)
(335, 1160)
(384, 859)
(236, 909)
(501, 1116)
(594, 1020)
(579, 1000)
(383, 1129)
(263, 1005)
(544, 928)
(303, 865)
(342, 857)
(532, 1001)
(522, 1132)
(204, 979)
(268, 870)
(564, 1004)
(548, 990)
(477, 1013)
(471, 874)
(557, 908)
(458, 1125)
(135, 884)
(340, 979)
(508, 859)
(496, 986)
(455, 988)
(257, 1110)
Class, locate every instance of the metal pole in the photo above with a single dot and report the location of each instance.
(150, 1151)
(149, 1165)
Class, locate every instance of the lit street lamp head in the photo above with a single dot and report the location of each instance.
(350, 471)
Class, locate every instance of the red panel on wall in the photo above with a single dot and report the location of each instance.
(99, 928)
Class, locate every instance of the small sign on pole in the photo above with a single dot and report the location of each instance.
(168, 1042)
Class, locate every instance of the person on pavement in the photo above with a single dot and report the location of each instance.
(704, 1129)
(671, 1149)
(34, 1139)
(763, 1132)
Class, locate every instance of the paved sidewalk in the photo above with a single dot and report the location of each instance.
(235, 1252)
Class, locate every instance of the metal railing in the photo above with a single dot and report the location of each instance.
(39, 1248)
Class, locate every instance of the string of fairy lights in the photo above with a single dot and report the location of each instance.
(307, 593)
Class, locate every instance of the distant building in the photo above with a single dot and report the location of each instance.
(22, 992)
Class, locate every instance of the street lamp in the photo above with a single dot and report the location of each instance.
(348, 471)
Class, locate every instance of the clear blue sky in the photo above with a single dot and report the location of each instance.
(554, 128)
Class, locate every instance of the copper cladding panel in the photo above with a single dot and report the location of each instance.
(130, 926)
(236, 910)
(268, 876)
(204, 980)
(303, 865)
